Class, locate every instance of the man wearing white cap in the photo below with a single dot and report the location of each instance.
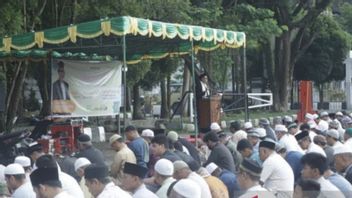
(247, 126)
(186, 188)
(324, 116)
(238, 133)
(227, 177)
(164, 170)
(343, 161)
(182, 171)
(80, 165)
(16, 182)
(286, 139)
(147, 135)
(253, 137)
(215, 127)
(216, 186)
(25, 162)
(123, 155)
(332, 138)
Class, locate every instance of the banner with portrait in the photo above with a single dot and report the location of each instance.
(85, 88)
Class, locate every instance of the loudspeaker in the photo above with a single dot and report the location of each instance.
(2, 96)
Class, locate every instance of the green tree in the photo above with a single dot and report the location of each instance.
(286, 49)
(323, 60)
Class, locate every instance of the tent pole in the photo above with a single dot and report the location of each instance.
(245, 84)
(124, 84)
(195, 117)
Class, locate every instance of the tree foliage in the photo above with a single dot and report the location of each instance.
(323, 60)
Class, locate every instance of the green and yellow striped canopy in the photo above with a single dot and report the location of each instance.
(145, 39)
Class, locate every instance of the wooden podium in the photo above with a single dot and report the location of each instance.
(208, 110)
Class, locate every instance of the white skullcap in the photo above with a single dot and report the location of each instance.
(164, 167)
(187, 188)
(280, 128)
(172, 135)
(13, 169)
(211, 167)
(24, 161)
(239, 135)
(312, 124)
(248, 125)
(342, 149)
(309, 116)
(179, 164)
(338, 113)
(114, 137)
(215, 127)
(80, 162)
(324, 113)
(147, 133)
(261, 132)
(288, 119)
(333, 133)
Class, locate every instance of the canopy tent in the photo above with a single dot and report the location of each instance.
(124, 38)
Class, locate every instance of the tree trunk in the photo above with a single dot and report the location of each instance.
(321, 93)
(164, 110)
(282, 82)
(16, 96)
(137, 113)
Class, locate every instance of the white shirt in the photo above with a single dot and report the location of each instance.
(312, 134)
(290, 143)
(205, 191)
(328, 190)
(70, 185)
(24, 191)
(313, 148)
(349, 143)
(337, 144)
(277, 175)
(162, 192)
(205, 89)
(257, 191)
(143, 192)
(113, 191)
(63, 194)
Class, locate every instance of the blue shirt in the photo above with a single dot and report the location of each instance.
(341, 183)
(293, 158)
(230, 181)
(140, 149)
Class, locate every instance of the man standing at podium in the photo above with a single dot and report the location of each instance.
(204, 86)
